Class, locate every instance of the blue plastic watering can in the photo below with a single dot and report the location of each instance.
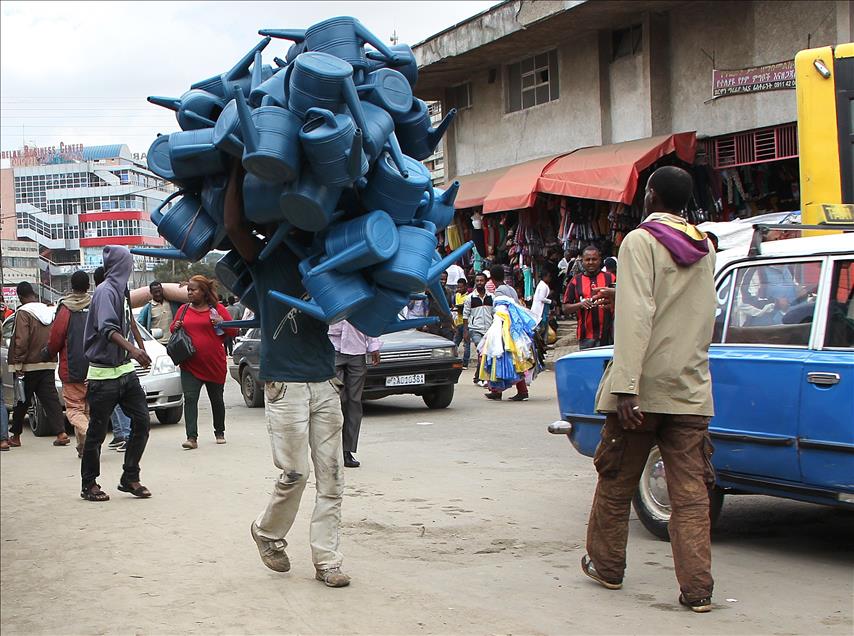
(261, 200)
(186, 224)
(309, 204)
(408, 270)
(274, 88)
(381, 314)
(226, 135)
(389, 90)
(334, 295)
(405, 63)
(238, 75)
(194, 110)
(400, 193)
(343, 37)
(333, 146)
(359, 243)
(319, 80)
(378, 132)
(270, 140)
(194, 154)
(234, 274)
(415, 132)
(441, 212)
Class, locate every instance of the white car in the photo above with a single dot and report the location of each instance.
(161, 382)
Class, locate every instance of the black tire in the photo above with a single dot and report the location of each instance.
(171, 415)
(38, 419)
(440, 397)
(652, 504)
(253, 395)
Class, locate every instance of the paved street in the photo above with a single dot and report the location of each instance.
(467, 520)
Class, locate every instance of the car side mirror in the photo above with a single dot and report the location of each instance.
(157, 333)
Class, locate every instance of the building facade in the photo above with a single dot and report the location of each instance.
(73, 208)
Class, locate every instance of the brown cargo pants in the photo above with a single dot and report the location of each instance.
(620, 458)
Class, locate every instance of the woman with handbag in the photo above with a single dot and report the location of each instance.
(204, 363)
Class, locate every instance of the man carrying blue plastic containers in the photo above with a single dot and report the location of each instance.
(302, 405)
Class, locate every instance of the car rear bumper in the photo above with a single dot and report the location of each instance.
(441, 374)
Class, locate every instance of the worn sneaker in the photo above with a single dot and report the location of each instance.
(332, 577)
(122, 447)
(519, 397)
(272, 553)
(493, 395)
(589, 570)
(190, 444)
(114, 443)
(701, 605)
(220, 439)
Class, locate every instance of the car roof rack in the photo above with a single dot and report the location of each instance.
(760, 232)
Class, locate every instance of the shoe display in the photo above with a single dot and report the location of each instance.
(350, 461)
(332, 577)
(272, 553)
(122, 447)
(519, 397)
(190, 444)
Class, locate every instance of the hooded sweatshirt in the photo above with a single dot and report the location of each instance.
(29, 338)
(66, 337)
(107, 312)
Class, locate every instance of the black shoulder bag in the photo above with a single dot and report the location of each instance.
(180, 346)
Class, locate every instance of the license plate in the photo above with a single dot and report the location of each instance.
(405, 380)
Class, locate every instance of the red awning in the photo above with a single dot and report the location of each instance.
(475, 187)
(610, 173)
(508, 188)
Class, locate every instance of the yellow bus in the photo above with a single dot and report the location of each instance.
(824, 82)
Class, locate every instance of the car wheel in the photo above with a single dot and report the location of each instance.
(652, 502)
(38, 419)
(440, 397)
(253, 396)
(171, 415)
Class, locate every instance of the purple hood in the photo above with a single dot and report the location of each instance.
(684, 249)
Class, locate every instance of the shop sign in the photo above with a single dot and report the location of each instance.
(28, 156)
(10, 295)
(756, 79)
(838, 212)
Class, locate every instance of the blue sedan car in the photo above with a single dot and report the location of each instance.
(782, 363)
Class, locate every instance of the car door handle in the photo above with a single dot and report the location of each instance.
(823, 379)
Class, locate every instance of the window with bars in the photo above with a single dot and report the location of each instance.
(532, 81)
(753, 146)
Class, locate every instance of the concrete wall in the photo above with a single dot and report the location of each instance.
(666, 87)
(8, 226)
(742, 34)
(485, 136)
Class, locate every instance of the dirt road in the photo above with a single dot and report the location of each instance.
(469, 520)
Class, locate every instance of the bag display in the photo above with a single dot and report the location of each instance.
(180, 346)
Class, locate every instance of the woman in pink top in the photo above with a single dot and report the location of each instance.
(201, 319)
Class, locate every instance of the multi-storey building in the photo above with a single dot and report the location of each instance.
(73, 208)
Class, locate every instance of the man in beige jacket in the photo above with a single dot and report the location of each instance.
(658, 391)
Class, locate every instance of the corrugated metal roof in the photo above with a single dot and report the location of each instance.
(112, 151)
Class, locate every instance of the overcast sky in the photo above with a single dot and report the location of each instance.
(79, 72)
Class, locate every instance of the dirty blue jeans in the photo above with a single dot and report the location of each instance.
(120, 423)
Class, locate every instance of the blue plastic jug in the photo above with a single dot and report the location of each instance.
(194, 110)
(238, 75)
(235, 276)
(381, 314)
(261, 200)
(389, 90)
(274, 88)
(441, 212)
(185, 225)
(378, 130)
(271, 141)
(408, 270)
(194, 154)
(334, 295)
(309, 204)
(359, 243)
(388, 189)
(333, 146)
(343, 37)
(405, 63)
(415, 132)
(226, 135)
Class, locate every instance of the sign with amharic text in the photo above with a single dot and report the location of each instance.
(756, 79)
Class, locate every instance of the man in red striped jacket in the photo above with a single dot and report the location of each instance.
(595, 320)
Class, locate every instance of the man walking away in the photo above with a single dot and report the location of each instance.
(157, 313)
(302, 405)
(477, 318)
(66, 339)
(29, 339)
(459, 301)
(351, 350)
(657, 391)
(594, 319)
(112, 380)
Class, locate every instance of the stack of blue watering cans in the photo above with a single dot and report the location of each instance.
(332, 140)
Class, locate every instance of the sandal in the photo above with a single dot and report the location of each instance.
(140, 491)
(589, 570)
(94, 495)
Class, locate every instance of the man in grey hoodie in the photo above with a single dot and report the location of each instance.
(111, 377)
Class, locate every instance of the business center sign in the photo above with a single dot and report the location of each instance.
(28, 156)
(756, 79)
